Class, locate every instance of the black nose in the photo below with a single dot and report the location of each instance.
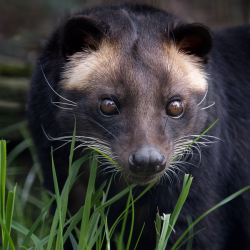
(147, 160)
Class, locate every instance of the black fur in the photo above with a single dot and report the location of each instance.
(224, 168)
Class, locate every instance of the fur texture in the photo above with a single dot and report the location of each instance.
(142, 59)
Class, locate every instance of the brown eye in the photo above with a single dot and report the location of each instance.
(108, 107)
(175, 109)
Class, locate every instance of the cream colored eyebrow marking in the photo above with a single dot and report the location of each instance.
(84, 65)
(185, 67)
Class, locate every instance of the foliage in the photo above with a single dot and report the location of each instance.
(93, 216)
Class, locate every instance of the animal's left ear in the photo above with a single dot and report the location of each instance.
(193, 39)
(81, 32)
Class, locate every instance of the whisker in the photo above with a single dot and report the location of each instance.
(64, 103)
(97, 123)
(61, 107)
(61, 146)
(52, 88)
(209, 106)
(203, 97)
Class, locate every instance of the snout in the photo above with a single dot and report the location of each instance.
(147, 160)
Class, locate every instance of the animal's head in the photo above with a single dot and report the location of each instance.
(136, 84)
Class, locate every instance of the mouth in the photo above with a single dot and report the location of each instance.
(143, 180)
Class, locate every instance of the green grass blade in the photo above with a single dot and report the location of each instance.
(98, 194)
(25, 231)
(105, 219)
(87, 206)
(118, 196)
(43, 241)
(121, 236)
(72, 147)
(59, 244)
(74, 220)
(93, 227)
(53, 231)
(94, 239)
(196, 139)
(36, 223)
(9, 213)
(97, 239)
(3, 162)
(100, 152)
(139, 236)
(163, 241)
(43, 226)
(181, 200)
(158, 229)
(73, 242)
(2, 185)
(231, 197)
(75, 168)
(132, 220)
(29, 181)
(6, 235)
(69, 183)
(26, 135)
(191, 236)
(64, 200)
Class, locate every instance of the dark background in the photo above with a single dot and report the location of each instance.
(25, 25)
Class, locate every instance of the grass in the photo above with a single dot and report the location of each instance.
(20, 232)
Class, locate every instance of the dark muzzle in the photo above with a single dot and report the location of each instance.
(147, 160)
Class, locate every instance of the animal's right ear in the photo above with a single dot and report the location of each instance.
(81, 32)
(194, 39)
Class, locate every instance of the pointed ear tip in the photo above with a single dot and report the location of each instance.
(80, 31)
(199, 28)
(195, 38)
(76, 22)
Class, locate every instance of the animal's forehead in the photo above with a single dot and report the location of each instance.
(137, 67)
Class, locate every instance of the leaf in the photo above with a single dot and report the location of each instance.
(73, 242)
(72, 146)
(132, 220)
(139, 236)
(2, 178)
(231, 197)
(87, 206)
(163, 241)
(59, 244)
(6, 235)
(25, 231)
(9, 213)
(36, 223)
(180, 202)
(196, 139)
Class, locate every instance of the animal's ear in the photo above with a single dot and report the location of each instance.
(81, 32)
(193, 39)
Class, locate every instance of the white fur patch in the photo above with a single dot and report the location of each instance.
(84, 65)
(185, 69)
